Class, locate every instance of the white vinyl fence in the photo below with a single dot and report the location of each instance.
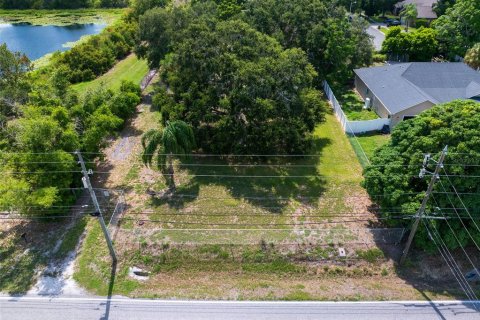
(348, 126)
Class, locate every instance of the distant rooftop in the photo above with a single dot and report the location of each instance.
(404, 85)
(424, 8)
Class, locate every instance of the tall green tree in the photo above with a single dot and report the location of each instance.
(393, 176)
(419, 45)
(231, 82)
(142, 6)
(472, 58)
(459, 28)
(320, 28)
(175, 140)
(14, 80)
(441, 6)
(410, 13)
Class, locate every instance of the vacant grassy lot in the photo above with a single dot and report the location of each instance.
(61, 17)
(247, 238)
(131, 69)
(233, 223)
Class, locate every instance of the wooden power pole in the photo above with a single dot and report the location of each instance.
(421, 211)
(98, 210)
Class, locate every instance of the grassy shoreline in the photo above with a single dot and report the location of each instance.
(61, 17)
(130, 69)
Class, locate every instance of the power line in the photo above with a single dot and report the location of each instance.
(254, 224)
(244, 165)
(39, 172)
(463, 224)
(38, 217)
(268, 215)
(450, 263)
(459, 243)
(459, 198)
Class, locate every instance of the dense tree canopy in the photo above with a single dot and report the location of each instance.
(394, 170)
(419, 45)
(333, 44)
(142, 6)
(442, 5)
(459, 28)
(14, 80)
(231, 82)
(49, 122)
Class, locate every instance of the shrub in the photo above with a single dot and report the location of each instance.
(422, 23)
(378, 57)
(371, 255)
(97, 55)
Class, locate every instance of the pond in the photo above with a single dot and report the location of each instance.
(37, 41)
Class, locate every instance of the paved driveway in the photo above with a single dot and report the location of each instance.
(378, 36)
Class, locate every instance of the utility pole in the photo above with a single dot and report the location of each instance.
(98, 210)
(421, 211)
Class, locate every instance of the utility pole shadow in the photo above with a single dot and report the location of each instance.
(106, 315)
(439, 313)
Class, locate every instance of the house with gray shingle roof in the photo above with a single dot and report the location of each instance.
(424, 8)
(401, 91)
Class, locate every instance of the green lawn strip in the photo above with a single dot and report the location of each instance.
(366, 144)
(352, 104)
(130, 69)
(94, 268)
(256, 195)
(71, 238)
(61, 17)
(386, 29)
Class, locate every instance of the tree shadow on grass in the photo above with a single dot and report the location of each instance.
(268, 183)
(22, 252)
(428, 273)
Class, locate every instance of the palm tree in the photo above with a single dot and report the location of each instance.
(410, 13)
(175, 140)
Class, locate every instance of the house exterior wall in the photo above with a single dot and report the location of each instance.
(413, 111)
(375, 103)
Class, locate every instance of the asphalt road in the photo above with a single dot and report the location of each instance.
(378, 36)
(44, 308)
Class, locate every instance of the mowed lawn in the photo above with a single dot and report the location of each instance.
(130, 69)
(366, 144)
(280, 192)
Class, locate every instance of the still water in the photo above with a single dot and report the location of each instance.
(37, 41)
